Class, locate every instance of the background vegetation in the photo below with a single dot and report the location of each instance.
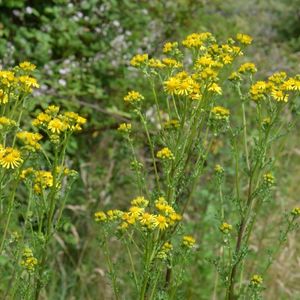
(82, 50)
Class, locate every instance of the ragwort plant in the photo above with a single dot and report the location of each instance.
(34, 183)
(188, 96)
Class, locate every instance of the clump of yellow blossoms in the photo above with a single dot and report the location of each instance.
(244, 38)
(125, 127)
(256, 280)
(225, 227)
(30, 139)
(133, 96)
(296, 211)
(10, 158)
(139, 59)
(55, 123)
(163, 217)
(165, 250)
(29, 262)
(269, 179)
(188, 241)
(165, 153)
(220, 113)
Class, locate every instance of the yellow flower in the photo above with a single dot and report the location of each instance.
(125, 127)
(57, 126)
(28, 83)
(133, 96)
(136, 211)
(28, 261)
(165, 250)
(188, 241)
(140, 202)
(165, 153)
(27, 66)
(53, 110)
(169, 46)
(215, 88)
(26, 172)
(256, 280)
(220, 113)
(155, 63)
(269, 179)
(148, 220)
(196, 40)
(219, 169)
(171, 62)
(7, 122)
(279, 96)
(3, 97)
(30, 139)
(43, 180)
(7, 78)
(235, 76)
(139, 60)
(171, 85)
(244, 38)
(161, 222)
(172, 124)
(278, 77)
(41, 119)
(247, 67)
(225, 227)
(258, 90)
(296, 211)
(100, 216)
(10, 158)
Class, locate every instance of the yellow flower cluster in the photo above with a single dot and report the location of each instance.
(55, 123)
(169, 47)
(244, 38)
(172, 124)
(220, 113)
(277, 87)
(196, 40)
(133, 96)
(268, 179)
(139, 60)
(165, 250)
(296, 211)
(30, 139)
(225, 227)
(247, 68)
(163, 217)
(125, 127)
(10, 158)
(28, 261)
(256, 280)
(165, 153)
(16, 81)
(41, 179)
(6, 122)
(188, 241)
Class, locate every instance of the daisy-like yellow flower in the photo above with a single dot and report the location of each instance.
(161, 222)
(28, 83)
(7, 78)
(165, 153)
(148, 220)
(220, 113)
(100, 216)
(133, 96)
(244, 38)
(188, 241)
(279, 95)
(57, 126)
(27, 66)
(171, 62)
(215, 88)
(10, 158)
